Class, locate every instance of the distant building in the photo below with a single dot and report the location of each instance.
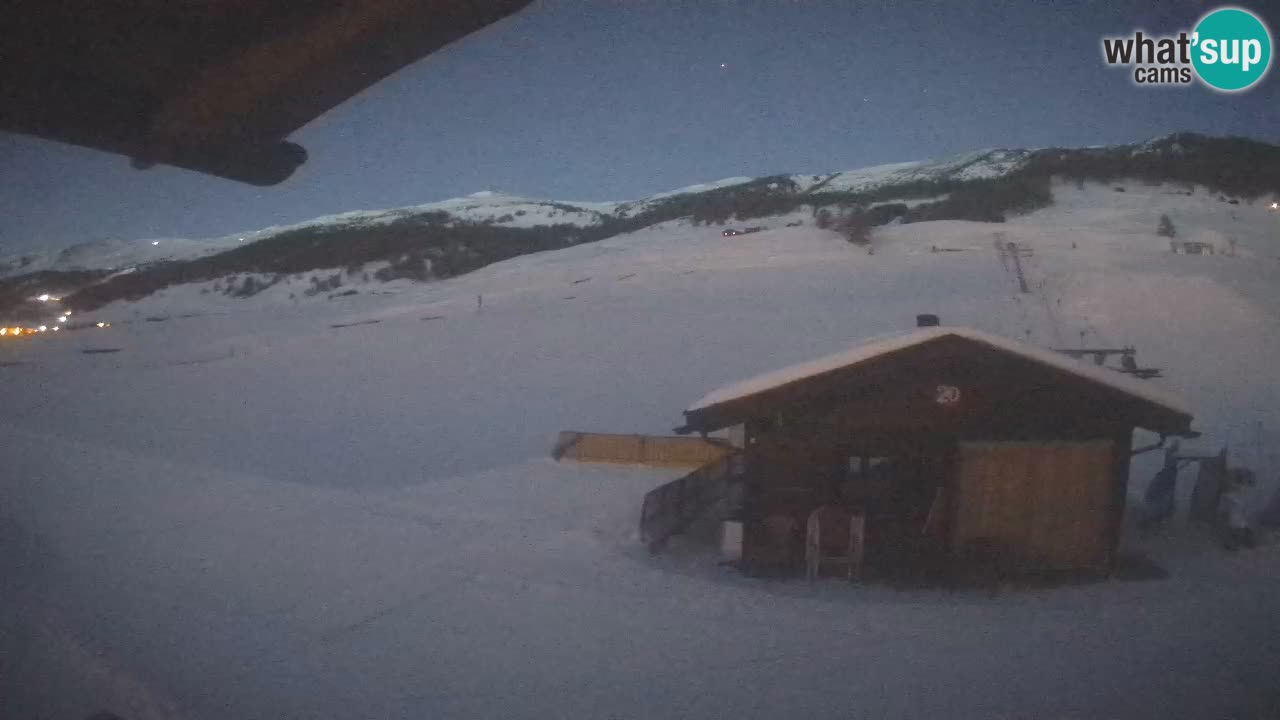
(1184, 247)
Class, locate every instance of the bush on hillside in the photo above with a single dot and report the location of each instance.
(412, 266)
(855, 226)
(251, 285)
(318, 286)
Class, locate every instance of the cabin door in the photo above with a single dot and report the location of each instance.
(1049, 502)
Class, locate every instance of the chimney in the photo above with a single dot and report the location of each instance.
(927, 320)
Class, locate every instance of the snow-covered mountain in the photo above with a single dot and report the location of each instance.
(452, 237)
(981, 165)
(481, 207)
(495, 208)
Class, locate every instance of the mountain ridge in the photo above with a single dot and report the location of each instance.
(451, 237)
(78, 256)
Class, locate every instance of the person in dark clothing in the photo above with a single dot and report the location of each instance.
(1160, 496)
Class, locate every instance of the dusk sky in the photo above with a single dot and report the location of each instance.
(613, 100)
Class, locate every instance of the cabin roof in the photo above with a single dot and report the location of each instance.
(823, 368)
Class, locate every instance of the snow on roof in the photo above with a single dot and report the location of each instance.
(886, 344)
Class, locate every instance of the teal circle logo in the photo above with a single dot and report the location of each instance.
(1231, 49)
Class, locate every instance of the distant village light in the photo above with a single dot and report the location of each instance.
(43, 298)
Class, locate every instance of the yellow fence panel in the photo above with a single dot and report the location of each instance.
(660, 450)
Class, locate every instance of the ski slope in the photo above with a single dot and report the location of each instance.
(248, 512)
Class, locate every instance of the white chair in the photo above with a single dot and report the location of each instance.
(835, 536)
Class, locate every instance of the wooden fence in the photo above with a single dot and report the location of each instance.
(657, 450)
(670, 508)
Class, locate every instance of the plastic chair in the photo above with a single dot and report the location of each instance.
(835, 536)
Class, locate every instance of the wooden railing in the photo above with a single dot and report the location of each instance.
(670, 508)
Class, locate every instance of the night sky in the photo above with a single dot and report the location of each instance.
(613, 100)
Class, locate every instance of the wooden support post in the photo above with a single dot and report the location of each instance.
(1121, 454)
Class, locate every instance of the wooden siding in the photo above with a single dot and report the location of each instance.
(1051, 502)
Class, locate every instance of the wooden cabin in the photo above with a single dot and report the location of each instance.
(1191, 248)
(944, 440)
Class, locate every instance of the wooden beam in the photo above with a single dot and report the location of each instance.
(1121, 456)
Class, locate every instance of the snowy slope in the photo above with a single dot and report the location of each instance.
(971, 166)
(1119, 285)
(636, 207)
(259, 514)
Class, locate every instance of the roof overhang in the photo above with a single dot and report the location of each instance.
(1146, 404)
(213, 86)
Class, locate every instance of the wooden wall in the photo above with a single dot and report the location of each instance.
(1053, 502)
